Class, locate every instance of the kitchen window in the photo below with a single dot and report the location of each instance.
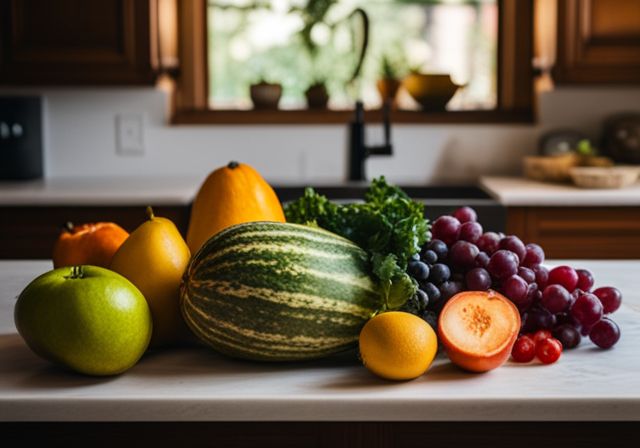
(228, 45)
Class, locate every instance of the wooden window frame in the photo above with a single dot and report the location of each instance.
(515, 80)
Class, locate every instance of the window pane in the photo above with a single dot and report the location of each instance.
(250, 41)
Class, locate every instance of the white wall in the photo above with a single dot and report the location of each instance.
(80, 140)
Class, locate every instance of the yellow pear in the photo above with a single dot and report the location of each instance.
(153, 258)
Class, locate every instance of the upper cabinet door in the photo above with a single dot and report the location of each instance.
(69, 42)
(598, 42)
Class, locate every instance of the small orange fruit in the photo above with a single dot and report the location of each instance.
(397, 345)
(88, 244)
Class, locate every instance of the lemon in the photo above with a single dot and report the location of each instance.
(397, 345)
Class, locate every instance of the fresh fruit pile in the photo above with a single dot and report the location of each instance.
(462, 257)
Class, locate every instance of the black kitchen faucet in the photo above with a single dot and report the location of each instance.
(358, 150)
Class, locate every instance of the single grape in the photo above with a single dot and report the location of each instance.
(524, 350)
(423, 299)
(565, 276)
(471, 232)
(414, 257)
(447, 229)
(542, 276)
(440, 248)
(432, 292)
(610, 297)
(541, 319)
(534, 256)
(418, 270)
(439, 274)
(530, 299)
(488, 242)
(478, 279)
(568, 336)
(585, 280)
(465, 214)
(567, 319)
(482, 260)
(429, 257)
(526, 274)
(549, 351)
(605, 334)
(526, 323)
(587, 310)
(450, 289)
(515, 245)
(556, 299)
(503, 264)
(515, 289)
(462, 255)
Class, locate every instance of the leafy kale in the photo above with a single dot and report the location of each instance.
(388, 225)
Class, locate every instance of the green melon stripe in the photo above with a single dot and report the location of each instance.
(246, 297)
(253, 307)
(255, 347)
(289, 273)
(284, 256)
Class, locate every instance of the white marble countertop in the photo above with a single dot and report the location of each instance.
(519, 191)
(195, 384)
(101, 191)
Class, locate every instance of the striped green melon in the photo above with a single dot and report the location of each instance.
(278, 292)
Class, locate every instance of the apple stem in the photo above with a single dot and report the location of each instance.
(150, 214)
(68, 227)
(76, 272)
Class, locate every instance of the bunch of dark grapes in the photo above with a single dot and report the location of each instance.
(462, 257)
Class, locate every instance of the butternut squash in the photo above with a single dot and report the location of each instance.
(231, 195)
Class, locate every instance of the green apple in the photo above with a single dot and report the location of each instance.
(89, 319)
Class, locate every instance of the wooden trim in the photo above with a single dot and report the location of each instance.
(328, 117)
(515, 80)
(515, 54)
(191, 91)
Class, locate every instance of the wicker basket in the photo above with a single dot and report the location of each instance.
(596, 177)
(550, 168)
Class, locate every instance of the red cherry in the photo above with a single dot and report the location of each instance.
(549, 350)
(524, 350)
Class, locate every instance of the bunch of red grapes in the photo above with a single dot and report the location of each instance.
(462, 257)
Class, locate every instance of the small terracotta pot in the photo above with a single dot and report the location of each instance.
(317, 96)
(265, 96)
(388, 89)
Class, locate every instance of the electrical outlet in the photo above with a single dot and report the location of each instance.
(129, 134)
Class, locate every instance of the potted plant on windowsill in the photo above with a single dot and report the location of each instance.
(265, 95)
(317, 95)
(390, 82)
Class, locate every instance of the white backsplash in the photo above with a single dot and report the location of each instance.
(80, 140)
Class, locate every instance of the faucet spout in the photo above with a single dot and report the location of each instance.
(358, 150)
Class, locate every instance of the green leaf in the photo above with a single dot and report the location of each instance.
(388, 225)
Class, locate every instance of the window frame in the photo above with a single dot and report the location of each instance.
(515, 102)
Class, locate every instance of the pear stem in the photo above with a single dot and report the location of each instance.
(149, 212)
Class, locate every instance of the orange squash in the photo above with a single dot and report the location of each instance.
(231, 195)
(92, 244)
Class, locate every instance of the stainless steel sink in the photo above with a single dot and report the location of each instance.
(438, 200)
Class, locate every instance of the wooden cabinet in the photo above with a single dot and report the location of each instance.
(30, 232)
(598, 42)
(70, 42)
(579, 232)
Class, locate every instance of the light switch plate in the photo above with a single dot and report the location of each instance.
(130, 134)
